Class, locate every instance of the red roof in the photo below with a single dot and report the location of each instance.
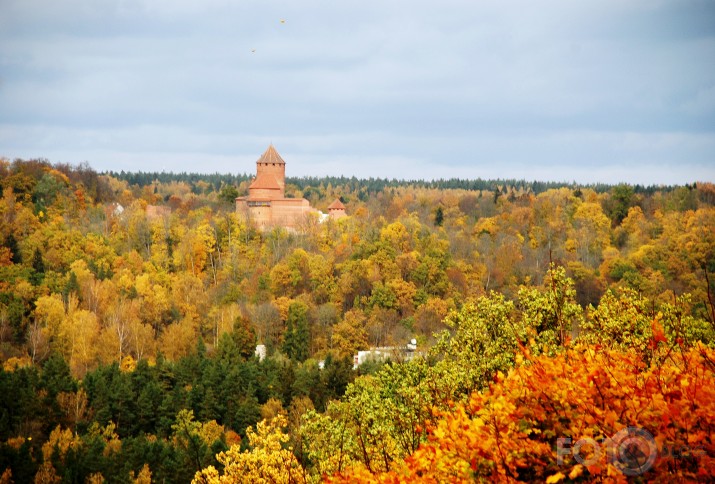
(336, 205)
(271, 156)
(265, 181)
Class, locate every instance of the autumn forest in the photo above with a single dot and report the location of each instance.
(131, 306)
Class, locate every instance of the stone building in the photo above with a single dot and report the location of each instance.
(336, 209)
(266, 205)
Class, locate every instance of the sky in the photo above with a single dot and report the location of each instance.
(556, 90)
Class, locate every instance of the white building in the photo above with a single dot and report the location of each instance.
(393, 353)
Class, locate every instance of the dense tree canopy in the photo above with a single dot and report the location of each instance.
(127, 333)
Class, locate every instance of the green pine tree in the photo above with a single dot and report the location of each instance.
(297, 336)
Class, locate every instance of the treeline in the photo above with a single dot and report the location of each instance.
(373, 185)
(215, 181)
(40, 180)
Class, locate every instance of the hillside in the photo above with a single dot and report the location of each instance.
(128, 335)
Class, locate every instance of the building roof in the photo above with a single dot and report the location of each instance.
(336, 205)
(271, 156)
(265, 181)
(291, 201)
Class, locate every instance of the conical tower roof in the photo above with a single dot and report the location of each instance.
(265, 181)
(336, 205)
(271, 156)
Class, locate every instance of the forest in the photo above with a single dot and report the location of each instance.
(542, 311)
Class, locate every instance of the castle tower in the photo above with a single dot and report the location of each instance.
(271, 165)
(266, 205)
(336, 209)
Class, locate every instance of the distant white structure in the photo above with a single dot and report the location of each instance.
(260, 352)
(394, 353)
(115, 209)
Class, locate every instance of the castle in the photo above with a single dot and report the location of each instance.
(266, 205)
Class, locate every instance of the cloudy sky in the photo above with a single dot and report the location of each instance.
(586, 91)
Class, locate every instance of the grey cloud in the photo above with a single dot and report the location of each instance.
(453, 87)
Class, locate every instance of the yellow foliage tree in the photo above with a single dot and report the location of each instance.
(144, 476)
(178, 339)
(60, 441)
(349, 335)
(50, 311)
(267, 461)
(77, 337)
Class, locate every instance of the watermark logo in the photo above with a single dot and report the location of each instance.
(632, 450)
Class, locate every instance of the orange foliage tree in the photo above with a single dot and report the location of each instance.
(556, 417)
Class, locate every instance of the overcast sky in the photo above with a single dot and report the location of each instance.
(563, 90)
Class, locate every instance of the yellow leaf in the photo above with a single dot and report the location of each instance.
(559, 476)
(576, 471)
